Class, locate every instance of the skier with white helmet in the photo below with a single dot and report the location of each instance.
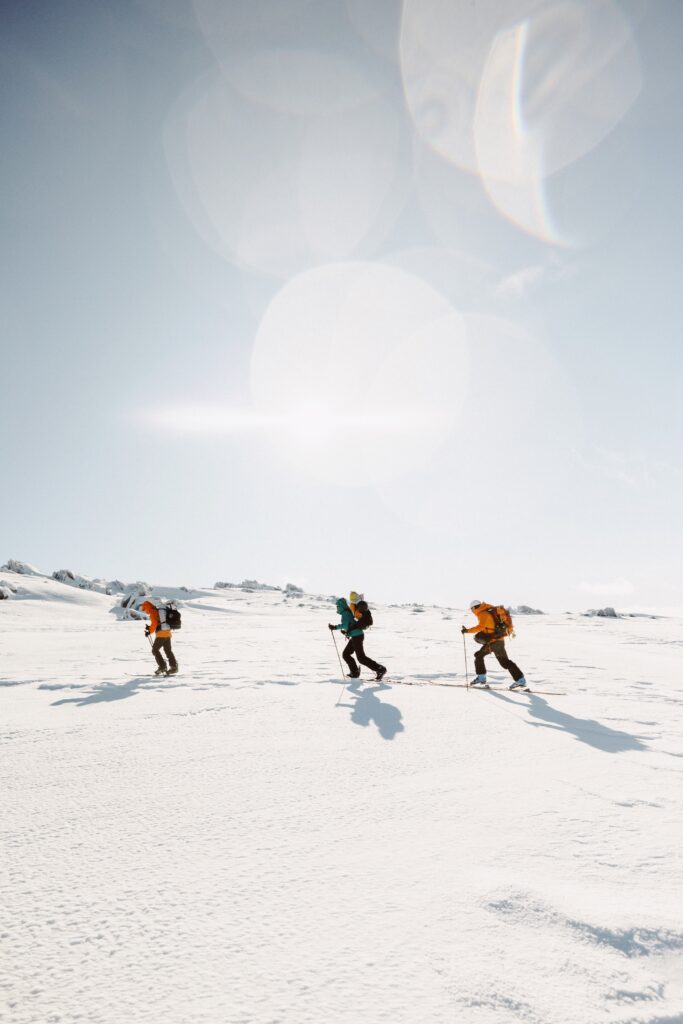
(493, 625)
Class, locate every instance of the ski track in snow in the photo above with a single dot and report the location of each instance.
(247, 843)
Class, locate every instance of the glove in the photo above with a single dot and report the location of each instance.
(463, 629)
(330, 626)
(147, 631)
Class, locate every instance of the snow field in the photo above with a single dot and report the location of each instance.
(229, 847)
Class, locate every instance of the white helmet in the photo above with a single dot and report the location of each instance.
(475, 604)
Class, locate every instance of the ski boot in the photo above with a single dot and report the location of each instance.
(479, 683)
(161, 671)
(381, 672)
(519, 684)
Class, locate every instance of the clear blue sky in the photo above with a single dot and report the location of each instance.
(370, 296)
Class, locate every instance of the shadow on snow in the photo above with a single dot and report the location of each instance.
(586, 730)
(107, 692)
(369, 708)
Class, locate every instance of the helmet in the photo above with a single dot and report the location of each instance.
(475, 604)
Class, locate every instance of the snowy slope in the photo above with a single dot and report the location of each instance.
(230, 846)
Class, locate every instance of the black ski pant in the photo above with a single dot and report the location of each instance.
(161, 646)
(355, 646)
(497, 648)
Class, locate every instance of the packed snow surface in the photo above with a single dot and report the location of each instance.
(249, 843)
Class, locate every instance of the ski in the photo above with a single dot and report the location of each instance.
(518, 689)
(543, 693)
(464, 686)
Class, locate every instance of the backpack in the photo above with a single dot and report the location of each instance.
(170, 615)
(364, 620)
(502, 620)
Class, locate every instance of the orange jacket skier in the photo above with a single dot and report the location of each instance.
(162, 641)
(491, 633)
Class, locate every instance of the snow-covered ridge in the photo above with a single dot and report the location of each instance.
(68, 577)
(22, 580)
(129, 596)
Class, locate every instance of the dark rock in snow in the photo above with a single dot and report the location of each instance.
(22, 568)
(7, 590)
(248, 585)
(129, 605)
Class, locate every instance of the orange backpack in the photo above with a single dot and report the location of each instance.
(502, 620)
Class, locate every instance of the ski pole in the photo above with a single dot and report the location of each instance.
(464, 647)
(334, 641)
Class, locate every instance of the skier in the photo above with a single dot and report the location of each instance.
(355, 635)
(489, 634)
(162, 640)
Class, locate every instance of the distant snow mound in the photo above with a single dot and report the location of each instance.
(98, 586)
(72, 579)
(525, 609)
(602, 613)
(140, 588)
(22, 568)
(129, 605)
(7, 590)
(291, 590)
(248, 585)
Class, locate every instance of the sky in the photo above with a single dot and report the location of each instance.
(382, 297)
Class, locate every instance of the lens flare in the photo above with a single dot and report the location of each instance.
(368, 363)
(444, 45)
(276, 192)
(514, 93)
(301, 82)
(377, 23)
(225, 26)
(517, 433)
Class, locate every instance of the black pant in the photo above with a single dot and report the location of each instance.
(497, 648)
(355, 646)
(163, 643)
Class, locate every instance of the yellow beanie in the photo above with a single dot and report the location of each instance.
(354, 598)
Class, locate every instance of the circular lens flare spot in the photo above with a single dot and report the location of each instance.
(364, 366)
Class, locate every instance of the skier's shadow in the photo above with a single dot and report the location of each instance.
(106, 692)
(586, 730)
(369, 708)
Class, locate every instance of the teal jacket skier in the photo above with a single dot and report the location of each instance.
(348, 619)
(355, 636)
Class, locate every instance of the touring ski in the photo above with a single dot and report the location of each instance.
(464, 686)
